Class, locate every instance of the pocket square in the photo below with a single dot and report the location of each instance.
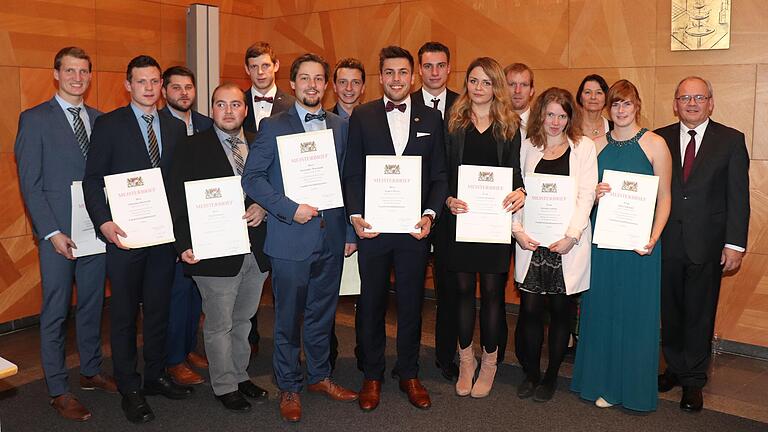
(422, 134)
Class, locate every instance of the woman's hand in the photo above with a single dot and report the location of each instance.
(563, 246)
(514, 201)
(456, 206)
(600, 190)
(525, 241)
(648, 248)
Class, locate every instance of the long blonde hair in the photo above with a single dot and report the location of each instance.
(562, 97)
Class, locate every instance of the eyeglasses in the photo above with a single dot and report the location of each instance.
(687, 98)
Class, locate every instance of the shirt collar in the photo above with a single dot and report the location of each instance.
(303, 111)
(224, 135)
(270, 93)
(428, 96)
(64, 104)
(178, 115)
(700, 129)
(138, 112)
(342, 112)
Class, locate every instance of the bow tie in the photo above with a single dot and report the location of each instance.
(309, 117)
(391, 105)
(267, 99)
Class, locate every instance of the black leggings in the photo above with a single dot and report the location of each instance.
(529, 333)
(492, 308)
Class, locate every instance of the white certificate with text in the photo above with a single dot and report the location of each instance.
(83, 233)
(140, 207)
(310, 169)
(625, 214)
(215, 208)
(484, 188)
(393, 193)
(548, 207)
(350, 276)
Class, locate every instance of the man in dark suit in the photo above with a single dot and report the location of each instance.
(394, 126)
(705, 236)
(52, 145)
(180, 93)
(434, 69)
(132, 138)
(231, 285)
(306, 246)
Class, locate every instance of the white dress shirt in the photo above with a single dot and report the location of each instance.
(180, 116)
(399, 125)
(262, 109)
(685, 138)
(524, 123)
(441, 100)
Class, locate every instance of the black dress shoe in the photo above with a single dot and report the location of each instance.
(526, 388)
(164, 386)
(251, 390)
(449, 371)
(692, 400)
(136, 408)
(234, 401)
(545, 391)
(667, 382)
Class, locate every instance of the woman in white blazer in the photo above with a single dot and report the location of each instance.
(547, 274)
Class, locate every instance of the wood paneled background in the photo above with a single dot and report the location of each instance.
(562, 40)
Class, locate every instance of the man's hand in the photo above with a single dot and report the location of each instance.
(731, 259)
(425, 224)
(349, 249)
(255, 215)
(188, 257)
(456, 206)
(63, 245)
(111, 231)
(359, 224)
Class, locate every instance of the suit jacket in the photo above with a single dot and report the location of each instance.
(49, 159)
(117, 146)
(450, 97)
(202, 157)
(282, 102)
(200, 122)
(712, 207)
(263, 181)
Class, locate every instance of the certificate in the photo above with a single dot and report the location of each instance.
(393, 193)
(625, 215)
(310, 169)
(83, 233)
(548, 207)
(140, 208)
(484, 188)
(215, 208)
(350, 276)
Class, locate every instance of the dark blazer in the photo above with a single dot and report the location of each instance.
(450, 97)
(202, 157)
(282, 102)
(199, 122)
(712, 207)
(49, 159)
(117, 146)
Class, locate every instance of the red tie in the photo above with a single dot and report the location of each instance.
(690, 155)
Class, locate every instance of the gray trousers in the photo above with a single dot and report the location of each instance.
(228, 304)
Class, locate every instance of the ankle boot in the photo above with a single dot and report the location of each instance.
(484, 381)
(467, 366)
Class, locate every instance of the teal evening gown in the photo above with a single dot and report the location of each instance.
(617, 357)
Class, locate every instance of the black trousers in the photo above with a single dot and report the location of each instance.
(446, 328)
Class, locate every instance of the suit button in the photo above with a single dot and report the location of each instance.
(685, 197)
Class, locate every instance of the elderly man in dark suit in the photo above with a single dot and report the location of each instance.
(52, 145)
(705, 236)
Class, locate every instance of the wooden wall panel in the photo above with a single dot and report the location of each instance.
(125, 30)
(13, 222)
(111, 91)
(38, 85)
(743, 309)
(281, 8)
(760, 140)
(237, 33)
(9, 100)
(173, 43)
(758, 220)
(249, 8)
(20, 294)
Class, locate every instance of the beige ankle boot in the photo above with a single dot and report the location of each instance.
(467, 366)
(484, 381)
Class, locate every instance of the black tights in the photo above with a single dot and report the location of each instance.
(492, 308)
(529, 333)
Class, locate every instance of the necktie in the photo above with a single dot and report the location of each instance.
(267, 99)
(309, 117)
(80, 134)
(391, 105)
(236, 155)
(435, 102)
(690, 155)
(154, 149)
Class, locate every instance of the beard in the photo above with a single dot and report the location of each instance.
(178, 107)
(310, 102)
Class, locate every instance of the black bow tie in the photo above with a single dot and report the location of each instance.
(391, 105)
(309, 117)
(268, 99)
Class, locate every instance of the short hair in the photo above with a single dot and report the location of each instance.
(140, 61)
(623, 90)
(227, 85)
(309, 57)
(177, 71)
(349, 63)
(593, 77)
(258, 49)
(562, 97)
(434, 47)
(694, 77)
(519, 68)
(394, 51)
(71, 51)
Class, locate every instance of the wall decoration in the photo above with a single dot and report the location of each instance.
(700, 25)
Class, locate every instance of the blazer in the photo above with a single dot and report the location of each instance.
(49, 159)
(712, 207)
(282, 102)
(200, 122)
(450, 97)
(117, 146)
(577, 262)
(263, 182)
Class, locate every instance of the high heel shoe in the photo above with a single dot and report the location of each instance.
(487, 374)
(467, 366)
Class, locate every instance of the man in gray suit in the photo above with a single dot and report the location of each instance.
(51, 149)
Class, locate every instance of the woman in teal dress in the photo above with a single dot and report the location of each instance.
(618, 353)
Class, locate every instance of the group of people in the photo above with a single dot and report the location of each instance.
(700, 225)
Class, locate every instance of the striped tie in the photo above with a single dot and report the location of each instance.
(154, 149)
(80, 133)
(236, 155)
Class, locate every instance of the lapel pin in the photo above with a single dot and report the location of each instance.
(416, 119)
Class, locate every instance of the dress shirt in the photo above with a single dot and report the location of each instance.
(83, 114)
(144, 130)
(440, 104)
(312, 125)
(342, 112)
(243, 146)
(262, 109)
(178, 115)
(524, 123)
(399, 125)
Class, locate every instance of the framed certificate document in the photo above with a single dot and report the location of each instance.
(216, 208)
(83, 233)
(484, 188)
(548, 207)
(310, 170)
(625, 215)
(393, 193)
(139, 206)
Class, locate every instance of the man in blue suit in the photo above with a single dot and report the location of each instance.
(51, 147)
(306, 246)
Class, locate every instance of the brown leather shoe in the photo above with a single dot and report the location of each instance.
(333, 390)
(184, 375)
(100, 381)
(370, 395)
(290, 406)
(417, 394)
(70, 408)
(199, 361)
